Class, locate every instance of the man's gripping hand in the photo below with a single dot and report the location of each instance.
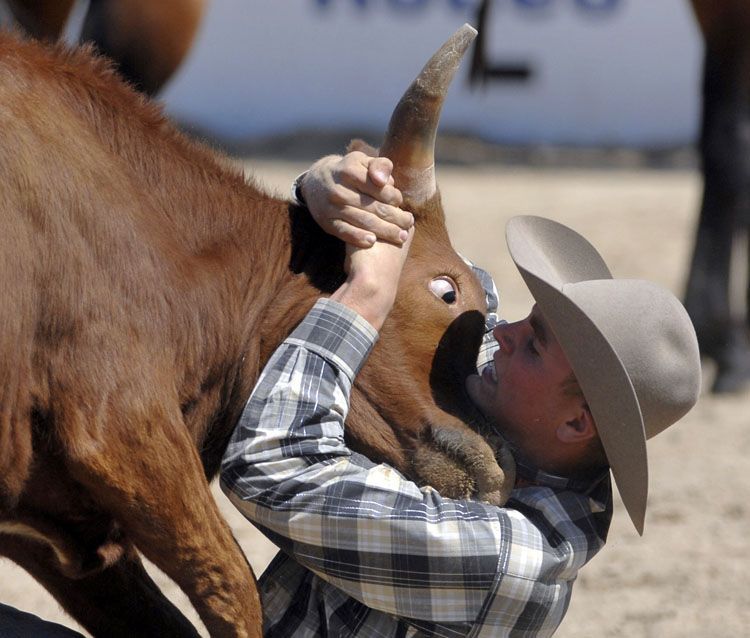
(354, 198)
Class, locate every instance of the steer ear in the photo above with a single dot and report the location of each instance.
(363, 147)
(410, 140)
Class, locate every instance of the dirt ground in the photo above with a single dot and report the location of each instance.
(688, 576)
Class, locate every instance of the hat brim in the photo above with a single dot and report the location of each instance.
(550, 257)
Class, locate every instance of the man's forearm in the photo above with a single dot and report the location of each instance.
(368, 301)
(295, 416)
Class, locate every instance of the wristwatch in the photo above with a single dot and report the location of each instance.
(297, 197)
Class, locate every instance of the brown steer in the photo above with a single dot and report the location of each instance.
(144, 285)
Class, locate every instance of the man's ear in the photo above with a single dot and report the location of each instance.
(579, 428)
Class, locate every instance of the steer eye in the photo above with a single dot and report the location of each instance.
(444, 288)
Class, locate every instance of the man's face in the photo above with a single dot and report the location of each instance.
(523, 392)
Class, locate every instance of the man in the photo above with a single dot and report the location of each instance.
(598, 366)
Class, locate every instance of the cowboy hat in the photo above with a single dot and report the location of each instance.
(630, 343)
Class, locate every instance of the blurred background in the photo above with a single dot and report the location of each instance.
(570, 72)
(587, 111)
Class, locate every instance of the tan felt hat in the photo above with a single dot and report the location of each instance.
(630, 343)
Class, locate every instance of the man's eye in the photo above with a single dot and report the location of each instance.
(532, 348)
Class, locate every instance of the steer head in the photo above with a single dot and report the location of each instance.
(408, 405)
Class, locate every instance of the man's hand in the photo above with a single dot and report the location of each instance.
(354, 198)
(372, 281)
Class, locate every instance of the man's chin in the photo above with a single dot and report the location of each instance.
(478, 399)
(473, 385)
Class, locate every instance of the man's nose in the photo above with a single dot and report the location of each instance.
(503, 334)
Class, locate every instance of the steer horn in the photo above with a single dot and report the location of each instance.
(410, 140)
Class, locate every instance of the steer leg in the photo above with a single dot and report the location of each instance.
(725, 152)
(146, 472)
(119, 602)
(460, 463)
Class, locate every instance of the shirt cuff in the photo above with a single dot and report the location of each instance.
(336, 333)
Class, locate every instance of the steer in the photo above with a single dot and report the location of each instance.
(145, 283)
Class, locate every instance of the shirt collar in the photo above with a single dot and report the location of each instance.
(529, 475)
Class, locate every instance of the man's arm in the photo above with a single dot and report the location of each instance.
(361, 526)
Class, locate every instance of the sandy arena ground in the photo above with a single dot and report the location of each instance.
(689, 575)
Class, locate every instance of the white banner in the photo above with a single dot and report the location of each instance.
(553, 71)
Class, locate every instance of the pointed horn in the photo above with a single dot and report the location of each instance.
(410, 140)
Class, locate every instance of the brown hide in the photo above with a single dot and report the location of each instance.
(144, 285)
(147, 39)
(124, 331)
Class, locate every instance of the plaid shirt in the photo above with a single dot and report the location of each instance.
(367, 552)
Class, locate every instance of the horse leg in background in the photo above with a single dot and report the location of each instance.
(147, 475)
(42, 19)
(121, 601)
(725, 152)
(148, 39)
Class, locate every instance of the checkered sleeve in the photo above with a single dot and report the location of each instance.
(362, 527)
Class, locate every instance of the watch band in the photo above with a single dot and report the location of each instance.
(297, 197)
